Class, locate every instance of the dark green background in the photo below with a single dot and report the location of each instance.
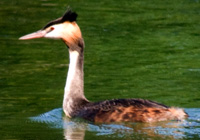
(134, 49)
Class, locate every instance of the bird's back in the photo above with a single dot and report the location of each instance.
(129, 110)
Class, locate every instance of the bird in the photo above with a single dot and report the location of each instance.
(76, 105)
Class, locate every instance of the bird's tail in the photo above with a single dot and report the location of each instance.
(178, 113)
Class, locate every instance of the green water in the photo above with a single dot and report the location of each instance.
(134, 49)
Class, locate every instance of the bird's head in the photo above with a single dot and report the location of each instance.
(64, 28)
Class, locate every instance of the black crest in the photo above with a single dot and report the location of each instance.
(68, 16)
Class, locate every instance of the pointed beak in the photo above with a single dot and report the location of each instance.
(38, 34)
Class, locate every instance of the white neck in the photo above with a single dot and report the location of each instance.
(74, 90)
(72, 71)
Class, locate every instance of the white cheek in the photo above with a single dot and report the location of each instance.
(57, 33)
(52, 35)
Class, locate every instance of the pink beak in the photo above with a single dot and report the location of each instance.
(38, 34)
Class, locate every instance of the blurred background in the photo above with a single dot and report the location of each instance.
(134, 49)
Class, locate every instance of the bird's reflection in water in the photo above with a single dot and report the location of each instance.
(75, 129)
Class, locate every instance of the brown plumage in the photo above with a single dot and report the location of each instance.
(128, 110)
(76, 105)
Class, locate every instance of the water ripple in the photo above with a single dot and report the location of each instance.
(73, 127)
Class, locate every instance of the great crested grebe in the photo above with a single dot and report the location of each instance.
(75, 103)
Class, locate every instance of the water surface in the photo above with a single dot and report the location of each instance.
(134, 49)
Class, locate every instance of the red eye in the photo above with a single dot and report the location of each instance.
(52, 28)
